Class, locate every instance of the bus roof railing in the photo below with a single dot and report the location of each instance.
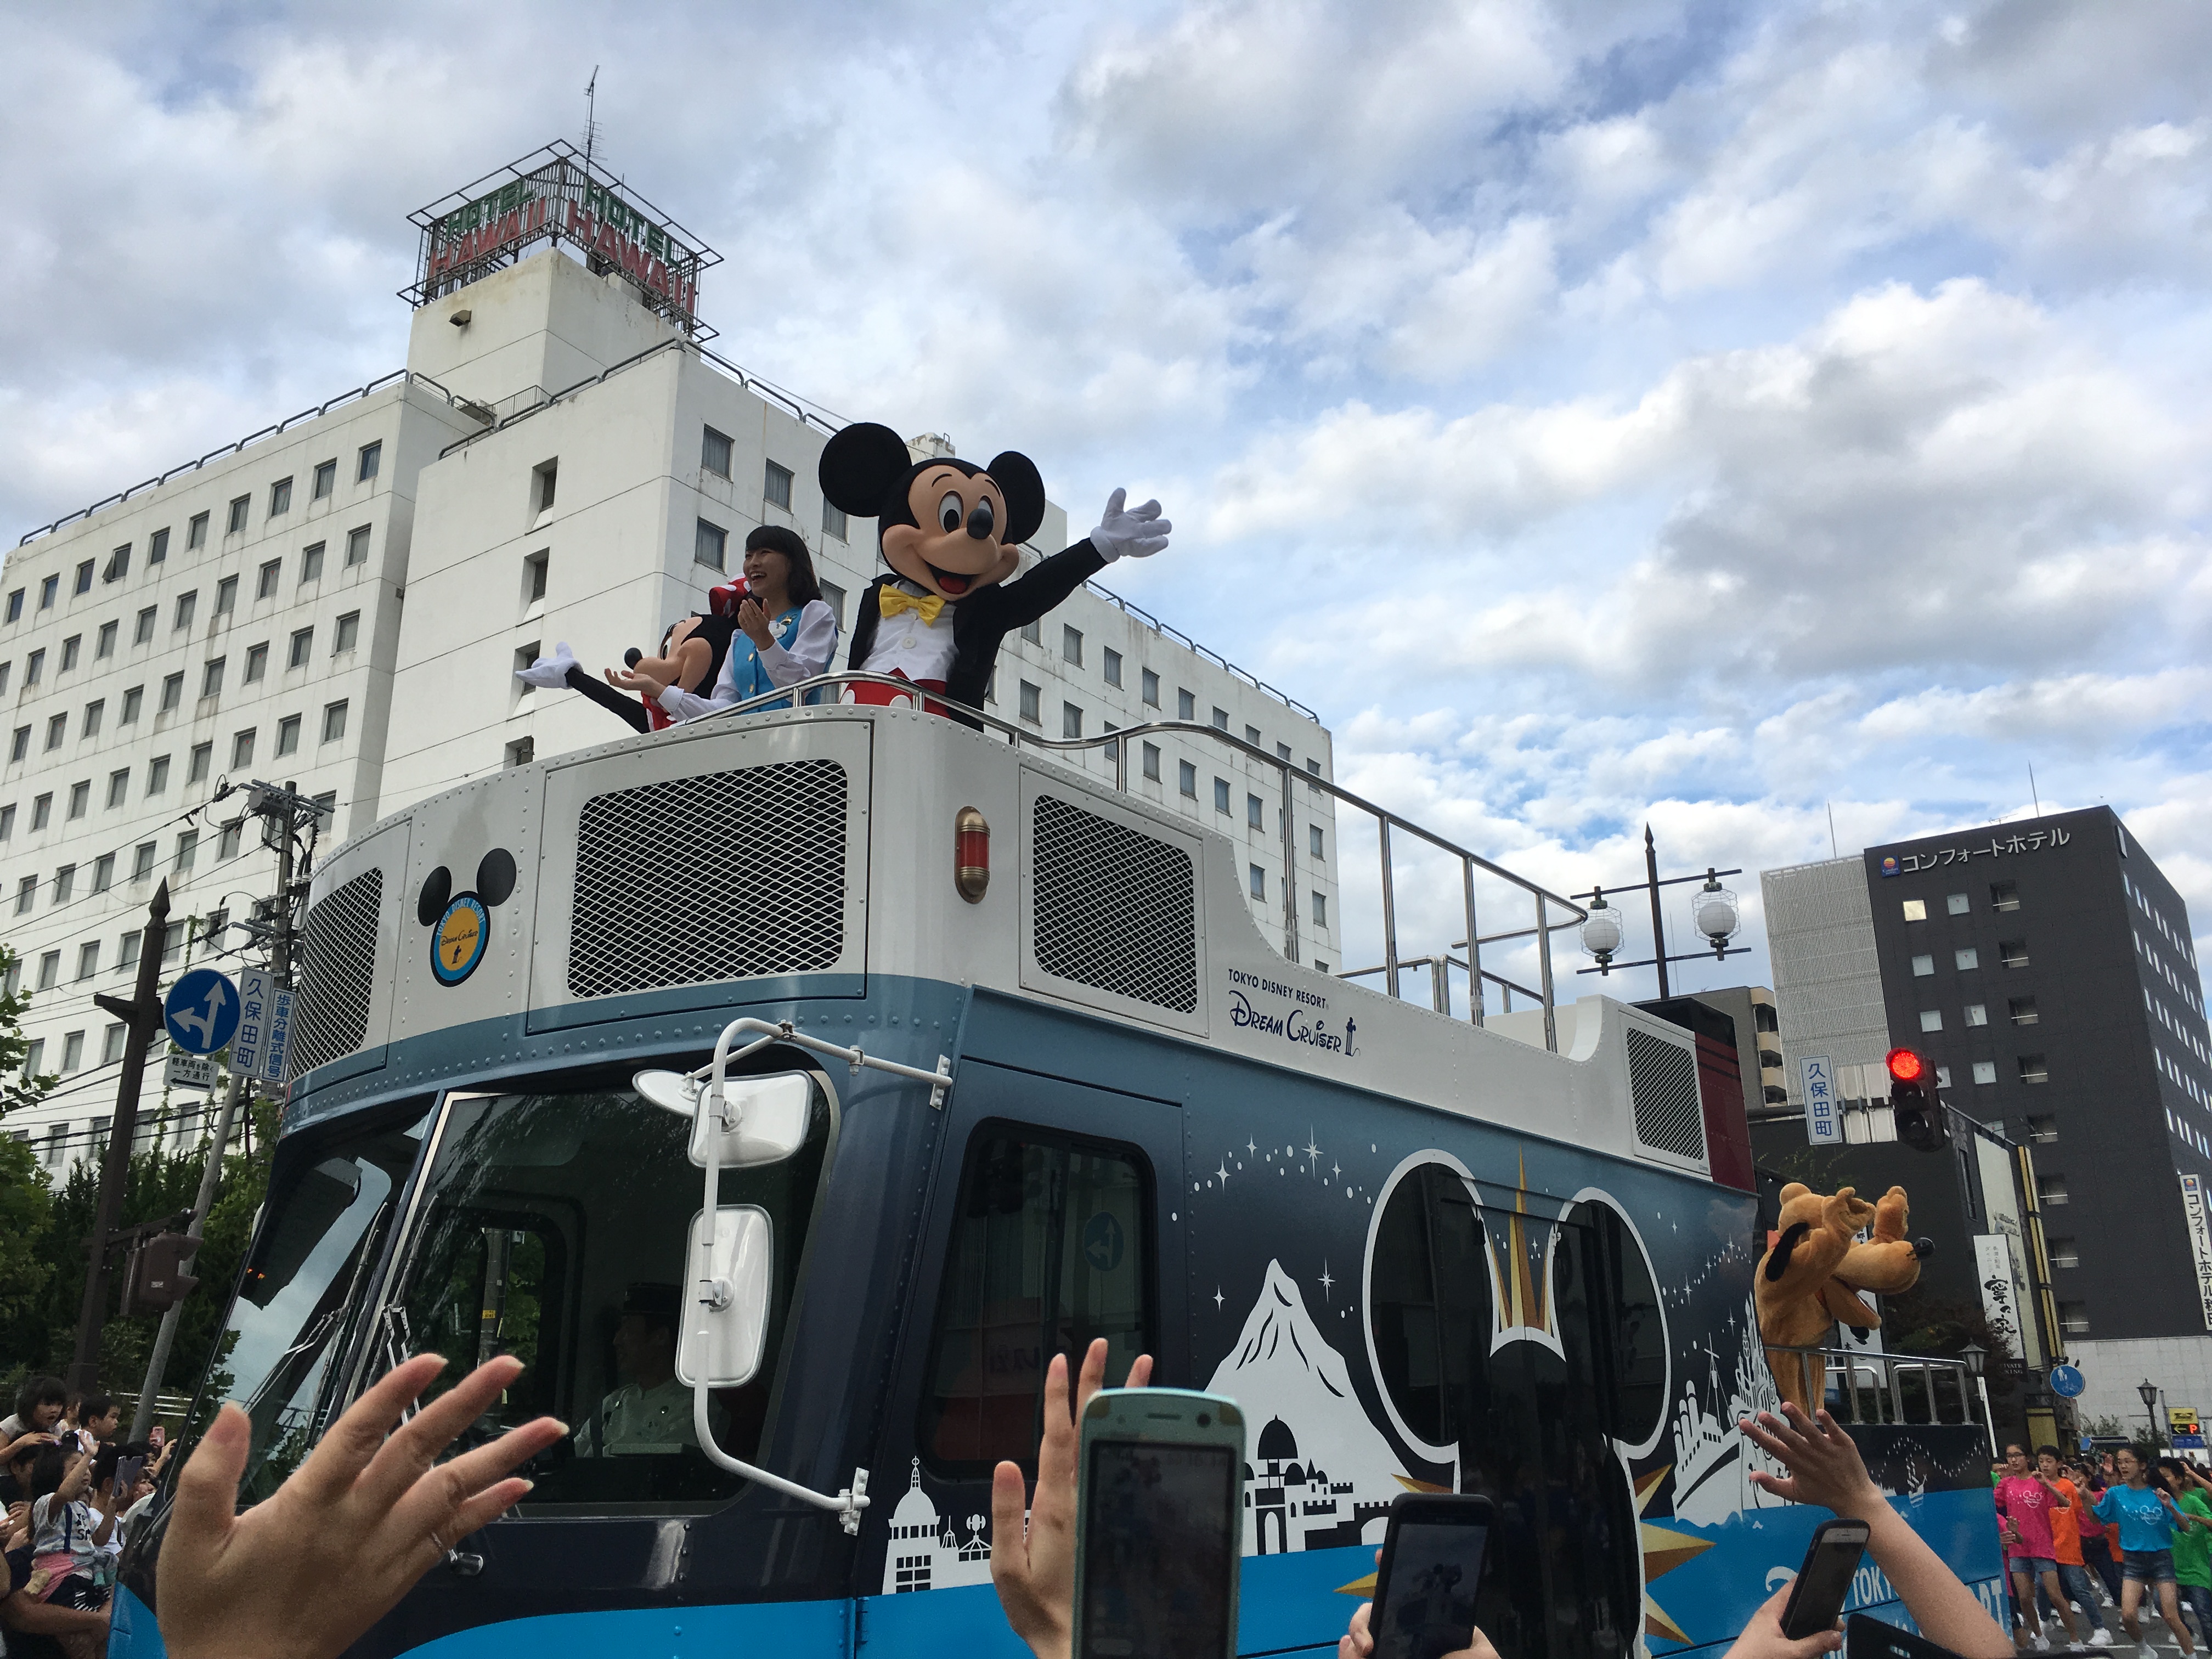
(1869, 1377)
(1116, 744)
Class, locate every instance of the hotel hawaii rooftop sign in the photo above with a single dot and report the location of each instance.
(555, 196)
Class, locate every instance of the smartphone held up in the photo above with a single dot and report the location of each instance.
(1430, 1574)
(1157, 1545)
(1824, 1582)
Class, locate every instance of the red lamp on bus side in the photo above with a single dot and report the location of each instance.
(971, 854)
(1913, 1101)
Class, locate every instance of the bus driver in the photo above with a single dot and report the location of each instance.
(651, 1412)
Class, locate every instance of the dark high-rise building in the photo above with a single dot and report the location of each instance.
(2045, 967)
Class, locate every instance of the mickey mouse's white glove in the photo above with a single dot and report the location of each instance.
(1137, 534)
(549, 671)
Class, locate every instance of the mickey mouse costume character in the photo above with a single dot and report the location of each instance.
(950, 531)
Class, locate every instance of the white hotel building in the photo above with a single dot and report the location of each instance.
(340, 602)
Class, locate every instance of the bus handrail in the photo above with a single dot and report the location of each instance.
(1893, 1366)
(1385, 821)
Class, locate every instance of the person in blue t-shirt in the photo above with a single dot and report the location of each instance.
(2147, 1519)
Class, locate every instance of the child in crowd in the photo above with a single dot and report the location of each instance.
(40, 1404)
(2066, 1543)
(2192, 1545)
(2026, 1500)
(2096, 1551)
(67, 1532)
(2147, 1519)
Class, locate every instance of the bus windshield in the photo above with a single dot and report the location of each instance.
(331, 1204)
(552, 1227)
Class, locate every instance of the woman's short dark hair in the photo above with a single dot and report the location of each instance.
(802, 586)
(39, 1391)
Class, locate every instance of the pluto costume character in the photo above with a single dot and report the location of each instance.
(950, 531)
(1812, 1272)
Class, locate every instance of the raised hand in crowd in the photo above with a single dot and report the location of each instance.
(1762, 1637)
(1034, 1571)
(1826, 1468)
(305, 1572)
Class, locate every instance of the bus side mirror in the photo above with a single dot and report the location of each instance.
(771, 1113)
(725, 1297)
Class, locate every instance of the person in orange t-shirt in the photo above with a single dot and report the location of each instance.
(2066, 1544)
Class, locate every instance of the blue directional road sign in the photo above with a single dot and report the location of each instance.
(2066, 1383)
(201, 1010)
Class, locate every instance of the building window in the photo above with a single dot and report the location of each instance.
(42, 812)
(1319, 909)
(1956, 904)
(118, 564)
(326, 808)
(26, 890)
(2051, 1188)
(211, 677)
(80, 799)
(1185, 705)
(1256, 878)
(234, 523)
(1071, 645)
(1221, 795)
(371, 457)
(288, 735)
(71, 647)
(348, 634)
(73, 1057)
(201, 764)
(112, 1042)
(1031, 701)
(143, 633)
(103, 872)
(1966, 960)
(257, 663)
(1187, 779)
(1986, 1070)
(64, 883)
(7, 821)
(49, 591)
(710, 545)
(2064, 1253)
(50, 971)
(1221, 719)
(241, 749)
(196, 532)
(1070, 721)
(141, 869)
(92, 711)
(188, 844)
(264, 584)
(157, 547)
(88, 959)
(1931, 1020)
(715, 452)
(301, 649)
(1977, 1014)
(104, 648)
(173, 691)
(56, 729)
(2013, 953)
(226, 846)
(84, 577)
(2004, 895)
(775, 486)
(326, 478)
(225, 596)
(1150, 692)
(334, 721)
(357, 546)
(2043, 1131)
(1254, 813)
(1152, 762)
(1252, 736)
(280, 497)
(1916, 909)
(535, 569)
(832, 522)
(2022, 1010)
(2033, 1069)
(20, 745)
(157, 775)
(2074, 1317)
(34, 669)
(1314, 842)
(522, 752)
(1033, 632)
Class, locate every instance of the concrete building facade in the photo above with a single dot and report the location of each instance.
(340, 603)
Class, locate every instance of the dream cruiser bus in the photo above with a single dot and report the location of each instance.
(974, 1054)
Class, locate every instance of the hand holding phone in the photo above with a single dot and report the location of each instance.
(1430, 1572)
(1824, 1582)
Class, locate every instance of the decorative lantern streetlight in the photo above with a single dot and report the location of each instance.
(1714, 910)
(1601, 932)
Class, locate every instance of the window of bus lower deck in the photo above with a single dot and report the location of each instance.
(1051, 1248)
(551, 1226)
(333, 1196)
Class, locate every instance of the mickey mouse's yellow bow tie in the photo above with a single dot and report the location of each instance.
(890, 601)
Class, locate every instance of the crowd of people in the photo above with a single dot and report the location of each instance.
(2113, 1532)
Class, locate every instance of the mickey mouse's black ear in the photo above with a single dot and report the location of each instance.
(1019, 481)
(860, 465)
(495, 876)
(437, 888)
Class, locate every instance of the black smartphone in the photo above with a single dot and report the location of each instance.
(1824, 1582)
(127, 1471)
(1432, 1567)
(1868, 1638)
(1156, 1526)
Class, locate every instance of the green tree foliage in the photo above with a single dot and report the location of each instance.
(17, 1090)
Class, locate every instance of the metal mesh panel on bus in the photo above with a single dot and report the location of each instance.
(1111, 908)
(1663, 1081)
(337, 971)
(699, 879)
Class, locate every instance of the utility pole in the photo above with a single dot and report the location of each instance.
(1658, 923)
(267, 804)
(142, 1018)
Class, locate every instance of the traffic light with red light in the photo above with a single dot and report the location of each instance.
(1913, 1101)
(157, 1278)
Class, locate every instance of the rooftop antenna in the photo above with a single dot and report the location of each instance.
(2031, 795)
(591, 117)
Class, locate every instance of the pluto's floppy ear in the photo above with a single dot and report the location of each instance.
(1017, 479)
(860, 467)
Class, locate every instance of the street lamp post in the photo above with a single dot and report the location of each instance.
(2146, 1391)
(1974, 1354)
(1713, 909)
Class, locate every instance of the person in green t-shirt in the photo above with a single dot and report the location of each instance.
(2192, 1547)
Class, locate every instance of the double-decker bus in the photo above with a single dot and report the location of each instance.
(991, 1058)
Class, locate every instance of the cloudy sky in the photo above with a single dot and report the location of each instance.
(1707, 413)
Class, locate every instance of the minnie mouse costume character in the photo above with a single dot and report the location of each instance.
(950, 531)
(691, 655)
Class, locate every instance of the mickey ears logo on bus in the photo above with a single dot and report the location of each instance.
(461, 923)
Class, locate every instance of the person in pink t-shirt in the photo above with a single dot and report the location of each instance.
(2025, 1500)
